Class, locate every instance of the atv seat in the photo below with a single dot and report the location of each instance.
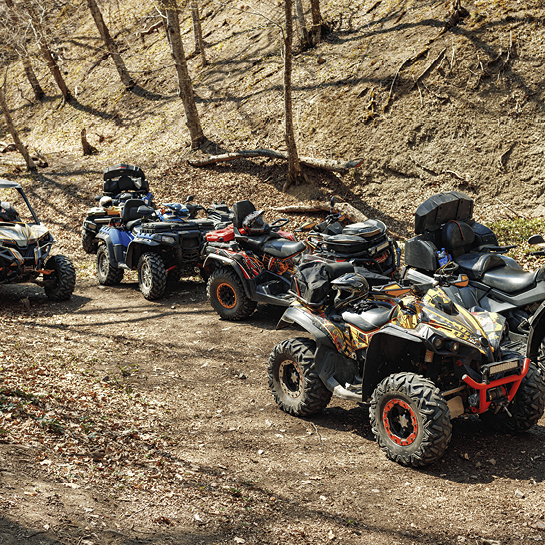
(457, 237)
(511, 280)
(242, 209)
(475, 265)
(283, 248)
(133, 212)
(370, 319)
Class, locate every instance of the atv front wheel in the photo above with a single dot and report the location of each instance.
(152, 276)
(90, 245)
(227, 295)
(59, 285)
(106, 274)
(526, 408)
(410, 419)
(294, 383)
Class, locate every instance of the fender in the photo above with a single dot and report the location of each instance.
(308, 323)
(134, 251)
(232, 263)
(537, 332)
(108, 241)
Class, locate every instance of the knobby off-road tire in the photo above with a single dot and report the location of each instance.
(410, 419)
(526, 408)
(152, 276)
(106, 274)
(90, 245)
(174, 275)
(227, 295)
(294, 383)
(541, 358)
(61, 283)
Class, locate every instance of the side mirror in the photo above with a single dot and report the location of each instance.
(462, 281)
(536, 239)
(190, 198)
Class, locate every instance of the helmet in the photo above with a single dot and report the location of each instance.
(254, 225)
(8, 213)
(351, 287)
(106, 202)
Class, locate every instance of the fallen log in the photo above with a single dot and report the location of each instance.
(325, 164)
(351, 213)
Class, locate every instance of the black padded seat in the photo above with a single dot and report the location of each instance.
(135, 209)
(283, 248)
(457, 238)
(475, 265)
(510, 280)
(241, 209)
(370, 319)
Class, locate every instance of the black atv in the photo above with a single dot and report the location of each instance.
(121, 183)
(446, 231)
(25, 249)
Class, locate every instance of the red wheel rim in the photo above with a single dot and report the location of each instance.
(400, 422)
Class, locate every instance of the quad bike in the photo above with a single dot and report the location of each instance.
(25, 251)
(415, 356)
(158, 250)
(364, 244)
(121, 183)
(252, 262)
(446, 231)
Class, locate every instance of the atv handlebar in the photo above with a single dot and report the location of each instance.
(279, 223)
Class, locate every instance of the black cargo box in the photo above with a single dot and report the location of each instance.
(124, 179)
(421, 254)
(440, 208)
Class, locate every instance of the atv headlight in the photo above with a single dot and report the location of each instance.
(454, 346)
(169, 240)
(437, 342)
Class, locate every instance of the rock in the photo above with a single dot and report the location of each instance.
(519, 494)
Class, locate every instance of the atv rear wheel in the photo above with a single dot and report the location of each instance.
(410, 419)
(60, 284)
(106, 274)
(294, 383)
(152, 276)
(90, 245)
(526, 408)
(227, 295)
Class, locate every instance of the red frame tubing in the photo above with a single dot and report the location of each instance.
(482, 387)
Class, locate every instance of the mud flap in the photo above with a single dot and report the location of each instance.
(332, 367)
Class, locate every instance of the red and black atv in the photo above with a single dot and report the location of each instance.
(252, 262)
(249, 262)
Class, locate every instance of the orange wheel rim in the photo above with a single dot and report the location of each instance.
(226, 295)
(400, 422)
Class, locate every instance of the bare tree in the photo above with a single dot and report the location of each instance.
(197, 31)
(15, 22)
(303, 32)
(39, 32)
(110, 44)
(316, 29)
(11, 128)
(295, 174)
(184, 81)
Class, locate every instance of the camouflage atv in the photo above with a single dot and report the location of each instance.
(25, 246)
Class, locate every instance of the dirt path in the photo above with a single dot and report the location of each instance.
(184, 444)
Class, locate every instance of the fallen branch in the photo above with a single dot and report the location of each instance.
(519, 214)
(423, 167)
(351, 213)
(325, 164)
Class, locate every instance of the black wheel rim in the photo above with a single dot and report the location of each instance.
(103, 265)
(290, 378)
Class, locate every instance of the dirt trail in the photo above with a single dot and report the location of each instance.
(209, 457)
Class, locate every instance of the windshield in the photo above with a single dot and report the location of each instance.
(11, 197)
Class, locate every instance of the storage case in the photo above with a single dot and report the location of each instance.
(440, 208)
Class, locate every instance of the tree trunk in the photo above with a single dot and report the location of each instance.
(316, 30)
(184, 81)
(31, 76)
(303, 32)
(46, 52)
(11, 128)
(126, 79)
(294, 168)
(27, 65)
(197, 30)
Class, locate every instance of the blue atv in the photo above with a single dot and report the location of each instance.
(121, 183)
(161, 245)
